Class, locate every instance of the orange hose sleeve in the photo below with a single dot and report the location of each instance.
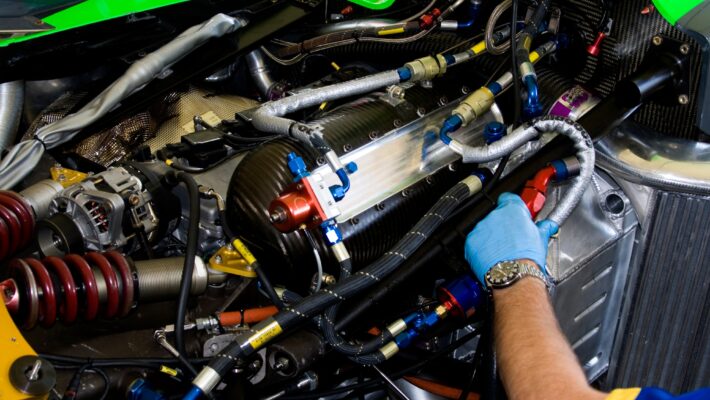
(439, 389)
(248, 316)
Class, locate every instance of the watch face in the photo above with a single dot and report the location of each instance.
(502, 274)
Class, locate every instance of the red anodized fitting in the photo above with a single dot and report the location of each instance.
(17, 223)
(62, 288)
(297, 206)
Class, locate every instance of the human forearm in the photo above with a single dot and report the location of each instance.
(535, 360)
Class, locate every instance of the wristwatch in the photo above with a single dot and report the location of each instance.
(506, 273)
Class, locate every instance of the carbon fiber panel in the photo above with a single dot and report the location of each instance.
(621, 54)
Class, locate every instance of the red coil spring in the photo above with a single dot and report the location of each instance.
(17, 223)
(42, 291)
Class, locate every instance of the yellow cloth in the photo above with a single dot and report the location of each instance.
(624, 394)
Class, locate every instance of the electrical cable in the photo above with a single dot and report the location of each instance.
(268, 287)
(316, 255)
(193, 231)
(107, 381)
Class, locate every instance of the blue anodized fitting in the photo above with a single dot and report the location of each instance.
(494, 131)
(297, 166)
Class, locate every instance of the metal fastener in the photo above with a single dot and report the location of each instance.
(657, 40)
(684, 49)
(683, 99)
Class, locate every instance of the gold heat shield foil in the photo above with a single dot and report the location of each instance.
(162, 124)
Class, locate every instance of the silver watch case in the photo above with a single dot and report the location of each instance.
(506, 273)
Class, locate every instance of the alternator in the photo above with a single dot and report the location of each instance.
(102, 212)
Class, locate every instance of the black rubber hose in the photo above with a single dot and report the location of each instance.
(339, 343)
(193, 231)
(268, 287)
(529, 32)
(363, 279)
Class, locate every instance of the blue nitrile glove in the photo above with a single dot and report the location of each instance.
(507, 233)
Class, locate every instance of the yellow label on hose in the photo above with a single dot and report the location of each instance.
(242, 249)
(264, 335)
(534, 56)
(394, 31)
(479, 48)
(168, 370)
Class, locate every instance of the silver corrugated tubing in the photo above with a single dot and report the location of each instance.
(12, 96)
(269, 117)
(579, 136)
(260, 72)
(23, 157)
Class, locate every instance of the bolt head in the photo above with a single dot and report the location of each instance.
(683, 99)
(657, 40)
(218, 259)
(684, 49)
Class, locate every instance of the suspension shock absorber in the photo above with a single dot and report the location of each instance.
(18, 213)
(95, 285)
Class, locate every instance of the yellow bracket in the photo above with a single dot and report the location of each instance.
(234, 259)
(12, 347)
(66, 177)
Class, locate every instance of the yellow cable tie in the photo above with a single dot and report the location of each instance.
(168, 370)
(323, 105)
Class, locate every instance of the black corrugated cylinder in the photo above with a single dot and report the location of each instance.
(264, 174)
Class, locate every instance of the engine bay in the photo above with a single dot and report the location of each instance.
(234, 199)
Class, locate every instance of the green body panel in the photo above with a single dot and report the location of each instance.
(90, 12)
(673, 10)
(374, 4)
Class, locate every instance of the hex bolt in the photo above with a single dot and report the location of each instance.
(657, 40)
(683, 99)
(33, 373)
(397, 123)
(218, 259)
(347, 148)
(373, 135)
(421, 111)
(684, 49)
(281, 364)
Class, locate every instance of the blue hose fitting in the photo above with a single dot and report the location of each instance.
(297, 166)
(494, 131)
(194, 394)
(331, 233)
(452, 124)
(338, 192)
(532, 107)
(473, 11)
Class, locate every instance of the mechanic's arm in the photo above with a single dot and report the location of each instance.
(535, 360)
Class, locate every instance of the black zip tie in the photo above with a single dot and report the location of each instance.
(35, 137)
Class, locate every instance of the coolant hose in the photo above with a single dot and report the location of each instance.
(311, 306)
(12, 96)
(575, 132)
(193, 232)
